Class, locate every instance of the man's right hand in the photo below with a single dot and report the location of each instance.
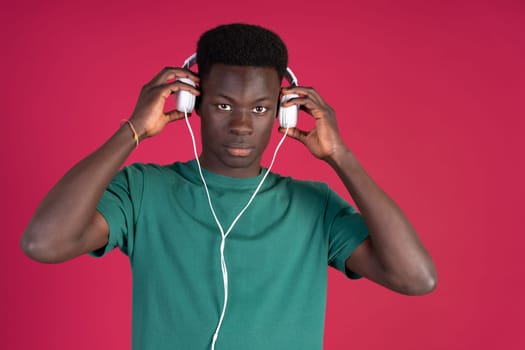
(149, 117)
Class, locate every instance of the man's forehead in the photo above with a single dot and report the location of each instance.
(226, 77)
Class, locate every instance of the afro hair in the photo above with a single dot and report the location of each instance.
(241, 44)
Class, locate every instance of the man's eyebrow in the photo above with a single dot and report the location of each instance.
(231, 99)
(264, 98)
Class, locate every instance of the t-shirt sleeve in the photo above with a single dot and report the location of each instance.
(119, 206)
(346, 231)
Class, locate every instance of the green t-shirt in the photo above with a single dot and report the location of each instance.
(277, 256)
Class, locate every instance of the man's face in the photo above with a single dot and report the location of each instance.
(237, 109)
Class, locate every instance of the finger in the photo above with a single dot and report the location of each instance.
(295, 133)
(169, 73)
(173, 87)
(304, 91)
(303, 103)
(175, 115)
(164, 75)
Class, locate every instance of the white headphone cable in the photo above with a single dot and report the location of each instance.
(223, 234)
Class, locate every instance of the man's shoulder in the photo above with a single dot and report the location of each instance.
(303, 185)
(141, 173)
(146, 166)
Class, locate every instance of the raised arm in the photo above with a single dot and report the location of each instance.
(393, 255)
(66, 224)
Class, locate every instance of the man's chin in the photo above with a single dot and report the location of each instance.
(233, 165)
(238, 163)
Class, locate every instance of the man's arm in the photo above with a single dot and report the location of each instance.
(393, 255)
(66, 224)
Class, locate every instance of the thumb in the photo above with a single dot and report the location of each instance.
(294, 133)
(175, 115)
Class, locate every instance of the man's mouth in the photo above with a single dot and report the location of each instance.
(239, 150)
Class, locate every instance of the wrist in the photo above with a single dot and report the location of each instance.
(124, 135)
(140, 129)
(340, 157)
(136, 134)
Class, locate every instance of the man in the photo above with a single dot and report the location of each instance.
(264, 287)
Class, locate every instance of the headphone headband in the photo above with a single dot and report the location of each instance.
(288, 74)
(190, 61)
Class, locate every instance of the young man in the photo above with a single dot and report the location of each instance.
(275, 256)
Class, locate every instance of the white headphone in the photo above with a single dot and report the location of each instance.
(287, 115)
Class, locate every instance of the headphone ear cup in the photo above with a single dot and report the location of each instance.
(185, 100)
(288, 115)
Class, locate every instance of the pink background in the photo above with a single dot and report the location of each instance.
(429, 96)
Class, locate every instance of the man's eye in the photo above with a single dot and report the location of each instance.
(260, 109)
(224, 107)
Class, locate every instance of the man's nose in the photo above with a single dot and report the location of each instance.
(241, 122)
